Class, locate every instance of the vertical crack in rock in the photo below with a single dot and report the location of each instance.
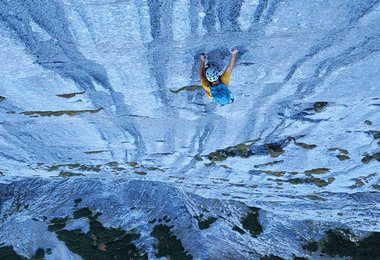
(209, 21)
(336, 35)
(61, 55)
(228, 14)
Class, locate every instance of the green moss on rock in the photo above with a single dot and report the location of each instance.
(305, 146)
(57, 224)
(338, 243)
(311, 246)
(342, 157)
(368, 158)
(168, 245)
(358, 183)
(275, 173)
(274, 149)
(7, 253)
(268, 164)
(60, 113)
(317, 171)
(242, 150)
(205, 223)
(70, 95)
(251, 222)
(100, 242)
(77, 201)
(39, 255)
(318, 182)
(77, 166)
(271, 257)
(67, 174)
(140, 173)
(82, 213)
(319, 106)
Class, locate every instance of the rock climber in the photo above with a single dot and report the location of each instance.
(214, 84)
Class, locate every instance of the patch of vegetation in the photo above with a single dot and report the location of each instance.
(242, 150)
(113, 164)
(318, 182)
(190, 88)
(315, 197)
(209, 164)
(306, 146)
(60, 113)
(376, 187)
(368, 158)
(7, 252)
(57, 224)
(39, 255)
(303, 145)
(271, 257)
(361, 180)
(205, 223)
(358, 183)
(251, 222)
(70, 95)
(268, 164)
(168, 245)
(343, 157)
(140, 173)
(100, 242)
(153, 168)
(339, 243)
(274, 149)
(310, 246)
(83, 213)
(275, 173)
(343, 153)
(368, 122)
(77, 166)
(77, 201)
(136, 165)
(66, 174)
(317, 171)
(319, 106)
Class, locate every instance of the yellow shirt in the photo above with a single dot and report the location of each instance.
(225, 79)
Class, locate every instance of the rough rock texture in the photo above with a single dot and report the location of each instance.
(106, 93)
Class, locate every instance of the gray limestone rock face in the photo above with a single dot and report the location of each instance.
(109, 146)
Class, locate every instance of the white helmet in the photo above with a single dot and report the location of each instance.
(212, 74)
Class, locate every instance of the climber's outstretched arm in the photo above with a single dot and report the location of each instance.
(231, 64)
(202, 71)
